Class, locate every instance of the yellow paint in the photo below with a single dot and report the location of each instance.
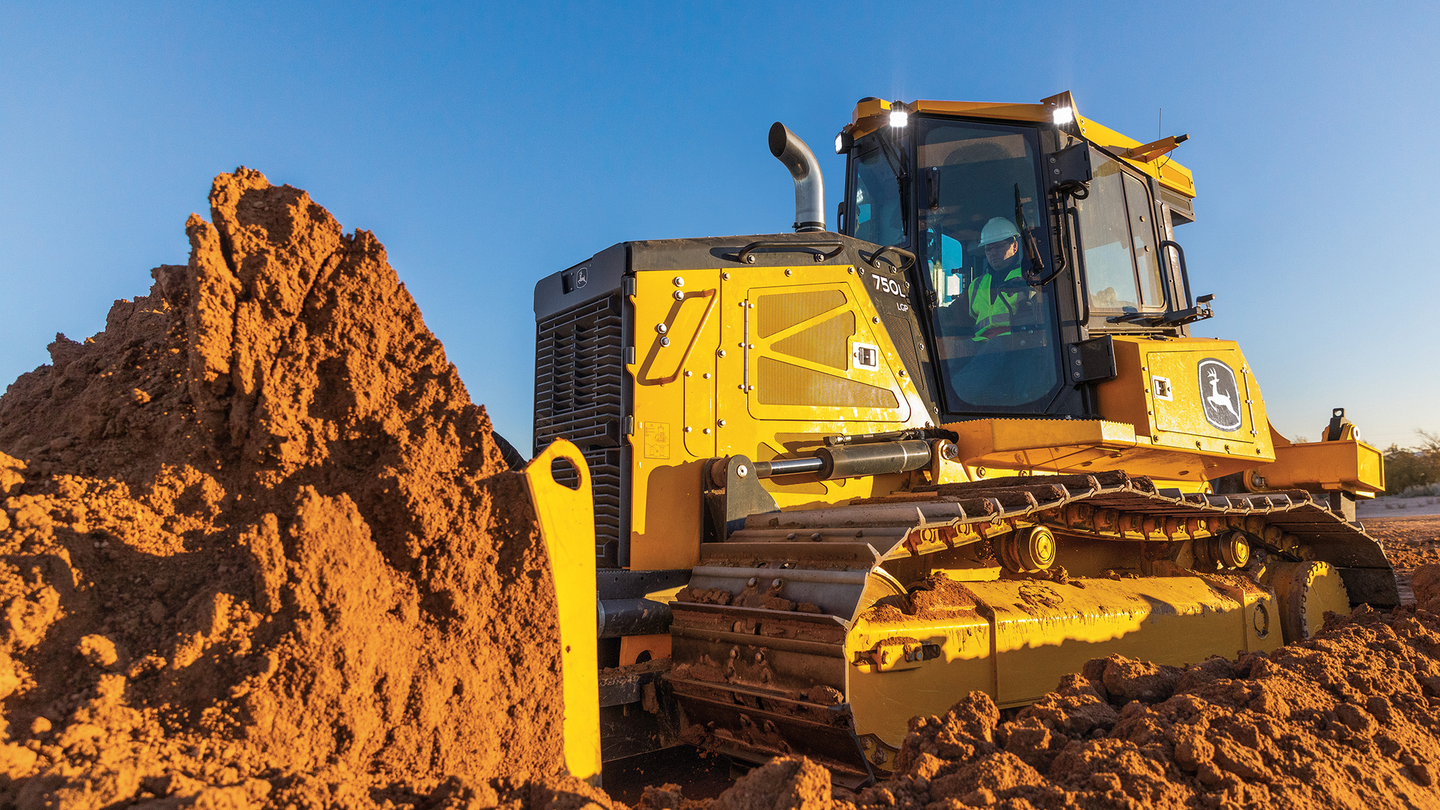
(567, 527)
(711, 367)
(1353, 466)
(1026, 634)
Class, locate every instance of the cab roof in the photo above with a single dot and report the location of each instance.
(1152, 159)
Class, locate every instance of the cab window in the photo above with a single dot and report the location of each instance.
(1122, 270)
(981, 225)
(878, 214)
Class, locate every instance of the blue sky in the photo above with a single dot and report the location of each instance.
(487, 145)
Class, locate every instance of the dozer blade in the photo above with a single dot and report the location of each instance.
(796, 635)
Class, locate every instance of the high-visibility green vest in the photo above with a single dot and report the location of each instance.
(992, 310)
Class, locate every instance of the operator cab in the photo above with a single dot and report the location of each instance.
(1037, 235)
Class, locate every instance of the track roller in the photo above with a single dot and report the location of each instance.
(1230, 550)
(1026, 551)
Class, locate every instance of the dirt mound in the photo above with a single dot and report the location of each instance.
(257, 544)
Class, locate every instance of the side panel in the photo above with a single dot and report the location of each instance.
(759, 361)
(677, 342)
(1192, 396)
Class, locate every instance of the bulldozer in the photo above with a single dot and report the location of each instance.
(962, 441)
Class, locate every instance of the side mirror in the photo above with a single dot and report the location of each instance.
(1068, 170)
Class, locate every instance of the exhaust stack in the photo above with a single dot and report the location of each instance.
(809, 186)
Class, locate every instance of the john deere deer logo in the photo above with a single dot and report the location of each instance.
(1219, 395)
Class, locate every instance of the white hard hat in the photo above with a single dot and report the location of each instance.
(997, 229)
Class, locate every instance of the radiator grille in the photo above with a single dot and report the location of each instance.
(579, 395)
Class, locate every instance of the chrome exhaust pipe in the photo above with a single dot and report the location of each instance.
(809, 186)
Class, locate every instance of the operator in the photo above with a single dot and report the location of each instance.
(1014, 371)
(1000, 286)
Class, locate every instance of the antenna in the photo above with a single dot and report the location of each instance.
(1160, 125)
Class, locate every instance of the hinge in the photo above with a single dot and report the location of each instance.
(629, 355)
(628, 426)
(629, 285)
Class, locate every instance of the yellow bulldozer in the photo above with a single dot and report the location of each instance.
(962, 441)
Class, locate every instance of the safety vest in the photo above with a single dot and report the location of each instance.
(992, 311)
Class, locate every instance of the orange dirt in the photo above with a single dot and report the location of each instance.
(258, 545)
(1409, 542)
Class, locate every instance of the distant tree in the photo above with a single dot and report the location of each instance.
(1407, 467)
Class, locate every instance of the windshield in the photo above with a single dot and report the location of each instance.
(981, 225)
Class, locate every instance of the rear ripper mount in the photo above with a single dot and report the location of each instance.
(776, 648)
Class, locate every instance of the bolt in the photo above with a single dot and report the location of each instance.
(689, 373)
(759, 658)
(661, 328)
(789, 272)
(742, 471)
(679, 282)
(688, 428)
(775, 584)
(720, 423)
(664, 341)
(705, 430)
(679, 296)
(724, 276)
(722, 352)
(752, 582)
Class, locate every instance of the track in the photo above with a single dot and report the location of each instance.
(771, 646)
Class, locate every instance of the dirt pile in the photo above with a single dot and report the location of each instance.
(258, 545)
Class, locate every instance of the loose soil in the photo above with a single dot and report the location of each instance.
(259, 547)
(1409, 543)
